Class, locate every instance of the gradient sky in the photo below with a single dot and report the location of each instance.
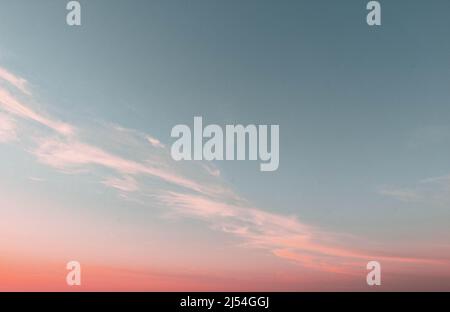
(86, 173)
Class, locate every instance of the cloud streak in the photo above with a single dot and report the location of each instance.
(12, 105)
(194, 191)
(17, 82)
(71, 154)
(430, 191)
(8, 129)
(285, 237)
(126, 184)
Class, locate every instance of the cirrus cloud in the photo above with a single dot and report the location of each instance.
(8, 128)
(195, 190)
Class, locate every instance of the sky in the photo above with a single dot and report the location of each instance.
(86, 114)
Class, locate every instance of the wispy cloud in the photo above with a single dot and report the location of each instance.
(125, 184)
(155, 142)
(18, 82)
(429, 191)
(12, 105)
(284, 236)
(404, 195)
(8, 128)
(196, 190)
(212, 170)
(36, 179)
(71, 154)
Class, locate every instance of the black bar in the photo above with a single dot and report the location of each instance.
(279, 301)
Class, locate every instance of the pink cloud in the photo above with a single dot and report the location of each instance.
(154, 142)
(72, 154)
(9, 103)
(7, 129)
(36, 179)
(212, 170)
(283, 236)
(125, 184)
(18, 82)
(208, 199)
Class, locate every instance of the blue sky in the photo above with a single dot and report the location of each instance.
(363, 111)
